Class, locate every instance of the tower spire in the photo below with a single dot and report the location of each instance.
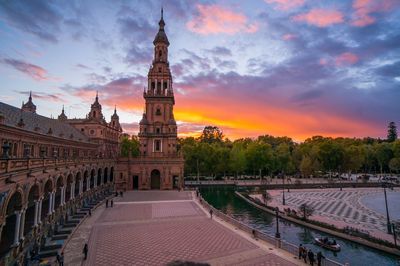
(97, 96)
(162, 13)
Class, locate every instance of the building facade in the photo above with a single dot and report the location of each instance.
(160, 163)
(48, 168)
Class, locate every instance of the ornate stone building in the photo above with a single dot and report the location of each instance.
(160, 164)
(49, 168)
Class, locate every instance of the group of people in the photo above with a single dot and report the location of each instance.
(308, 255)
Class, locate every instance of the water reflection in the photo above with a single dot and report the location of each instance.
(223, 198)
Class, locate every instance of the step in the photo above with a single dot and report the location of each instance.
(50, 247)
(63, 231)
(59, 237)
(48, 253)
(69, 226)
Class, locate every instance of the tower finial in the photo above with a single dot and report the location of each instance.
(97, 96)
(115, 109)
(63, 108)
(30, 96)
(162, 12)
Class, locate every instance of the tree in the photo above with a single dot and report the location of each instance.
(383, 154)
(130, 145)
(211, 134)
(306, 210)
(237, 158)
(392, 132)
(306, 166)
(394, 165)
(331, 155)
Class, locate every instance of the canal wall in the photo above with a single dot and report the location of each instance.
(357, 240)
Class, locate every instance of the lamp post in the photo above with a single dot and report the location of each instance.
(277, 234)
(394, 235)
(389, 227)
(283, 188)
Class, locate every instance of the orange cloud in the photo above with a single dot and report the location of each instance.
(320, 17)
(240, 118)
(346, 59)
(363, 9)
(286, 4)
(214, 19)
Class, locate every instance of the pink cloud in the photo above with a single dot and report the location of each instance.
(36, 72)
(346, 59)
(286, 4)
(214, 19)
(288, 37)
(363, 9)
(320, 17)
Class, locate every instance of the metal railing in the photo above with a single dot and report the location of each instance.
(289, 247)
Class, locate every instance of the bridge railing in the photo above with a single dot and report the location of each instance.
(289, 247)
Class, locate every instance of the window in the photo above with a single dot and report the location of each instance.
(91, 132)
(158, 130)
(165, 85)
(153, 85)
(82, 129)
(157, 145)
(159, 69)
(159, 54)
(158, 112)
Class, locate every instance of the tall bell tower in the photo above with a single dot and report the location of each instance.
(160, 163)
(158, 131)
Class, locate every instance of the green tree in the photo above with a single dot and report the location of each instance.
(237, 158)
(130, 145)
(331, 155)
(306, 166)
(354, 158)
(394, 165)
(258, 155)
(392, 132)
(383, 154)
(212, 134)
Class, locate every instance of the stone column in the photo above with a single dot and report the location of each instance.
(22, 226)
(62, 196)
(80, 186)
(72, 195)
(39, 217)
(54, 202)
(17, 225)
(50, 203)
(95, 182)
(35, 219)
(88, 184)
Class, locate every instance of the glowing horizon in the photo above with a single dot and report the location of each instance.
(283, 68)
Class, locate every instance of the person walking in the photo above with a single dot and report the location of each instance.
(112, 203)
(319, 258)
(211, 213)
(300, 251)
(106, 203)
(85, 251)
(304, 254)
(311, 257)
(60, 259)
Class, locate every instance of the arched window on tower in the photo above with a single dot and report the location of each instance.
(94, 113)
(159, 54)
(158, 111)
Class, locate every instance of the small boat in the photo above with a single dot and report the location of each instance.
(328, 244)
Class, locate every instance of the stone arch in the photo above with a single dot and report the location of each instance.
(48, 188)
(13, 205)
(105, 175)
(92, 178)
(69, 188)
(59, 184)
(78, 178)
(85, 177)
(33, 196)
(112, 174)
(155, 179)
(99, 175)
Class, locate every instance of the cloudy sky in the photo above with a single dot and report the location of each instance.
(280, 67)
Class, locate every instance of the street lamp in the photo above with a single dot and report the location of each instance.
(277, 234)
(283, 188)
(389, 227)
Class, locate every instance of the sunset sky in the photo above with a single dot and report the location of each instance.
(281, 67)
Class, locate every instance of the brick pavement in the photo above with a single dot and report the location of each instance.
(166, 227)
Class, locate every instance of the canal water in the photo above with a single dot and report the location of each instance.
(224, 199)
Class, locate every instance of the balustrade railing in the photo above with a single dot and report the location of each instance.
(289, 247)
(20, 164)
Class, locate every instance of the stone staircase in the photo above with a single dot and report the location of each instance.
(54, 243)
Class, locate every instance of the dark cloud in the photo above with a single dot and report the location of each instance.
(39, 18)
(54, 97)
(220, 51)
(389, 70)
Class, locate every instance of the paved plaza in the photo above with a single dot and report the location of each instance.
(342, 208)
(157, 227)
